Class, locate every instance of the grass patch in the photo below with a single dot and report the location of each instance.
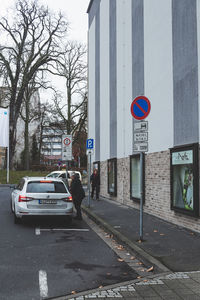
(15, 176)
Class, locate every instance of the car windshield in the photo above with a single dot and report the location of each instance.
(46, 187)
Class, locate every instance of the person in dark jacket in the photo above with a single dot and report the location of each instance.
(95, 181)
(77, 193)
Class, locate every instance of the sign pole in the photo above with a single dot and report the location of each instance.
(90, 147)
(89, 174)
(140, 109)
(8, 149)
(141, 195)
(8, 164)
(66, 171)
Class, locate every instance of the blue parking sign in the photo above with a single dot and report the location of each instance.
(90, 144)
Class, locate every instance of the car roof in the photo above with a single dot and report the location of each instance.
(42, 178)
(59, 172)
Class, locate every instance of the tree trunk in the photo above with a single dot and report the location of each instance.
(26, 146)
(69, 110)
(40, 142)
(26, 133)
(12, 144)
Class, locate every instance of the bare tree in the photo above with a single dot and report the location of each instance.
(33, 39)
(45, 119)
(30, 111)
(72, 67)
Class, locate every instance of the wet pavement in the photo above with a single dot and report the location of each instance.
(168, 244)
(172, 251)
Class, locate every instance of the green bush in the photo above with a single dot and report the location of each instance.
(15, 176)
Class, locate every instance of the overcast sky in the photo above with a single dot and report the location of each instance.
(74, 10)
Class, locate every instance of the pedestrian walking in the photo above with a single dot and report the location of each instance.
(77, 193)
(95, 181)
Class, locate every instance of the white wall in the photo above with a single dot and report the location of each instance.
(198, 45)
(128, 119)
(158, 72)
(91, 88)
(104, 81)
(124, 78)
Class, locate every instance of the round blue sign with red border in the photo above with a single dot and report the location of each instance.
(140, 107)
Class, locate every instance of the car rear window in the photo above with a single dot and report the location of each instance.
(46, 187)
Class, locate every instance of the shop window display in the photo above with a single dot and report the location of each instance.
(112, 176)
(184, 166)
(135, 176)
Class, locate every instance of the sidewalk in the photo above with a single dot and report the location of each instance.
(173, 251)
(166, 245)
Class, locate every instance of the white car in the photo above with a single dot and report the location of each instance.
(62, 174)
(41, 196)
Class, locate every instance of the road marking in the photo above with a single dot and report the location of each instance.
(63, 229)
(37, 231)
(43, 284)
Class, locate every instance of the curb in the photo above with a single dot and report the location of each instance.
(120, 237)
(107, 287)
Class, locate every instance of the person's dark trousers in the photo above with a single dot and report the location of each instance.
(77, 204)
(93, 188)
(97, 192)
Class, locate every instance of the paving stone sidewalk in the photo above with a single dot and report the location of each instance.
(179, 285)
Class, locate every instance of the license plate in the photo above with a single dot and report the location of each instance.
(47, 201)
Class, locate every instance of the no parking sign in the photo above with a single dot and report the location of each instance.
(66, 147)
(140, 108)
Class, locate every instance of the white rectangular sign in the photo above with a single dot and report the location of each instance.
(182, 157)
(140, 136)
(66, 147)
(89, 151)
(141, 126)
(4, 127)
(140, 147)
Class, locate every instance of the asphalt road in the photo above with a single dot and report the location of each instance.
(44, 258)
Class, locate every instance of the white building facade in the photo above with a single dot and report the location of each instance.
(150, 48)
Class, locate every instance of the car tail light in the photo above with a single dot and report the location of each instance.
(67, 199)
(24, 199)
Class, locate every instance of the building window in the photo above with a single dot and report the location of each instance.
(135, 186)
(184, 179)
(112, 176)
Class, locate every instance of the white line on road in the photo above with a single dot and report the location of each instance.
(37, 231)
(63, 229)
(43, 284)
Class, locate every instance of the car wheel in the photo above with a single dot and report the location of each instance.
(16, 219)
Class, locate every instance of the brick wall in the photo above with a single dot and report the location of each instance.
(157, 188)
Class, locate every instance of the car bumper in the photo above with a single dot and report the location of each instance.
(22, 210)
